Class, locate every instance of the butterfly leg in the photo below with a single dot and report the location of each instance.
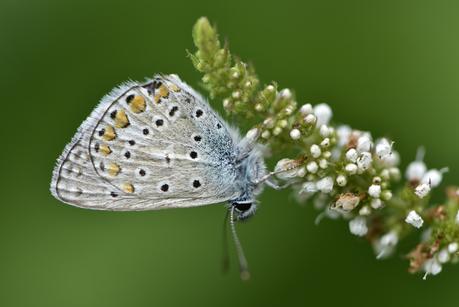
(272, 183)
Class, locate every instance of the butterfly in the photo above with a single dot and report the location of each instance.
(158, 145)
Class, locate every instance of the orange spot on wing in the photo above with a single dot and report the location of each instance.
(113, 169)
(128, 188)
(105, 150)
(121, 119)
(138, 104)
(109, 133)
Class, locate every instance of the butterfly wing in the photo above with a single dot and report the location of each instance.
(149, 146)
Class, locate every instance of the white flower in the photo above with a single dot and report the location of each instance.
(383, 148)
(344, 133)
(346, 202)
(376, 203)
(422, 190)
(323, 113)
(342, 181)
(364, 161)
(432, 266)
(325, 185)
(351, 168)
(414, 219)
(453, 247)
(391, 160)
(433, 177)
(309, 187)
(312, 167)
(315, 151)
(306, 109)
(374, 190)
(443, 255)
(386, 244)
(295, 134)
(364, 143)
(352, 155)
(324, 131)
(415, 171)
(358, 226)
(287, 169)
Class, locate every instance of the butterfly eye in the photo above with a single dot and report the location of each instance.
(243, 207)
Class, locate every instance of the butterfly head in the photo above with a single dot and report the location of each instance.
(244, 209)
(251, 167)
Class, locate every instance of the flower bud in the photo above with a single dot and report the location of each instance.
(310, 119)
(315, 151)
(358, 226)
(376, 203)
(443, 255)
(422, 190)
(325, 143)
(352, 155)
(364, 161)
(312, 167)
(415, 171)
(341, 180)
(283, 123)
(351, 168)
(277, 130)
(324, 131)
(414, 219)
(309, 187)
(453, 247)
(323, 163)
(433, 177)
(364, 143)
(386, 195)
(325, 185)
(365, 211)
(295, 134)
(344, 133)
(374, 191)
(323, 113)
(432, 266)
(383, 148)
(306, 109)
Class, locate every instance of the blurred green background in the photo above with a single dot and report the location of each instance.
(391, 67)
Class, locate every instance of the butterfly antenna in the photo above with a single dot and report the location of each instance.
(225, 253)
(243, 265)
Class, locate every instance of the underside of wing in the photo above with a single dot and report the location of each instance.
(148, 146)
